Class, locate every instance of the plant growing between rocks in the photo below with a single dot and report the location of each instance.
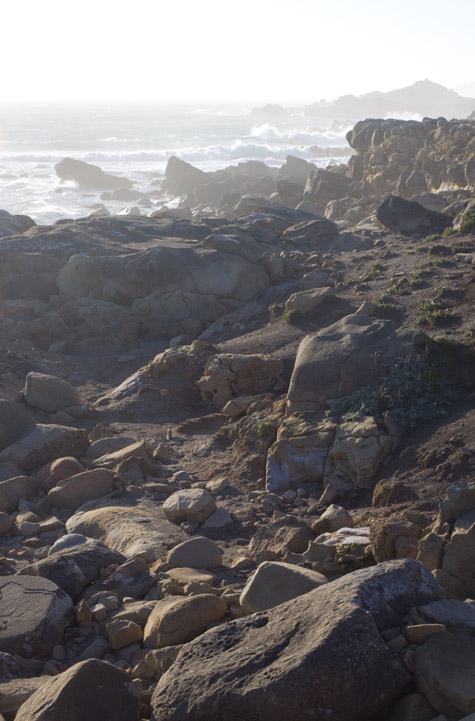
(405, 389)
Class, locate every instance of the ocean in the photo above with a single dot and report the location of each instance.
(135, 141)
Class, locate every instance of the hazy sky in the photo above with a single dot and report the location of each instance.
(263, 50)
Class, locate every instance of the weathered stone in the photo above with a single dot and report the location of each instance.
(274, 583)
(14, 420)
(320, 651)
(419, 632)
(15, 488)
(198, 552)
(139, 449)
(105, 446)
(72, 492)
(15, 692)
(6, 524)
(221, 518)
(445, 673)
(122, 632)
(33, 615)
(178, 620)
(387, 535)
(280, 535)
(457, 616)
(413, 707)
(359, 449)
(72, 569)
(410, 218)
(306, 301)
(44, 443)
(92, 690)
(460, 499)
(190, 504)
(459, 552)
(121, 526)
(335, 361)
(300, 452)
(226, 376)
(49, 393)
(334, 518)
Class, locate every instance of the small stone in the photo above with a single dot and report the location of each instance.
(418, 634)
(397, 643)
(242, 562)
(58, 653)
(99, 612)
(143, 670)
(123, 633)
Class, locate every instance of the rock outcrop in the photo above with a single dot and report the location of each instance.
(90, 176)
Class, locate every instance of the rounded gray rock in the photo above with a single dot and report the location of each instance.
(33, 615)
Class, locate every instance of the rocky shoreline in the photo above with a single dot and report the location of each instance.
(237, 443)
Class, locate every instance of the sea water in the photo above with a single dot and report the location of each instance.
(135, 141)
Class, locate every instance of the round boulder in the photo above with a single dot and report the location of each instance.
(92, 690)
(197, 552)
(190, 504)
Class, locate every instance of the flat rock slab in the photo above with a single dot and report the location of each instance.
(72, 569)
(320, 656)
(33, 615)
(274, 583)
(133, 529)
(44, 443)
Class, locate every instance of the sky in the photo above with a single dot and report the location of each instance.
(233, 50)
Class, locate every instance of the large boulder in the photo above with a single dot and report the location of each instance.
(325, 185)
(50, 393)
(13, 224)
(43, 443)
(74, 568)
(14, 420)
(182, 177)
(34, 613)
(320, 655)
(336, 360)
(89, 175)
(410, 218)
(92, 690)
(72, 492)
(177, 620)
(274, 583)
(121, 526)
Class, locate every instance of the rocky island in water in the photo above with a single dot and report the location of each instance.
(237, 441)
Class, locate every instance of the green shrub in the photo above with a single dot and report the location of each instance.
(288, 316)
(435, 313)
(406, 391)
(264, 429)
(468, 221)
